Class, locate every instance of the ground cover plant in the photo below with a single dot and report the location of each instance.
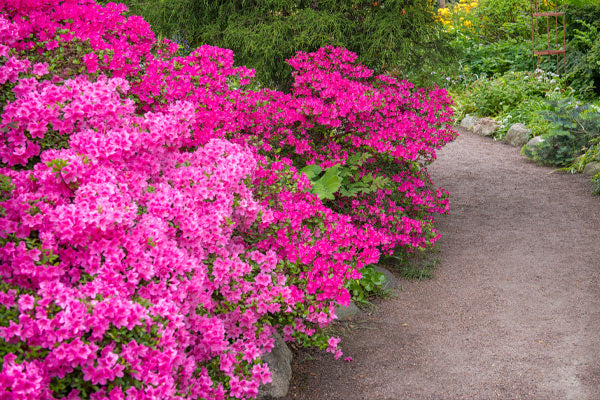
(155, 228)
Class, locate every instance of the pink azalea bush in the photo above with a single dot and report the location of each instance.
(154, 229)
(337, 113)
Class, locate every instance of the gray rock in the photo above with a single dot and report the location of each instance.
(390, 280)
(344, 313)
(517, 135)
(468, 122)
(592, 168)
(486, 127)
(279, 361)
(534, 142)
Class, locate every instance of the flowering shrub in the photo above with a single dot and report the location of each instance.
(381, 130)
(155, 231)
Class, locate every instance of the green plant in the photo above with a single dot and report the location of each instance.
(584, 59)
(503, 93)
(348, 180)
(414, 266)
(557, 148)
(575, 130)
(463, 104)
(418, 273)
(324, 182)
(402, 36)
(496, 58)
(356, 181)
(596, 182)
(370, 285)
(502, 19)
(527, 112)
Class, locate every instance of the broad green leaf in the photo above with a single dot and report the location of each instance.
(311, 171)
(331, 180)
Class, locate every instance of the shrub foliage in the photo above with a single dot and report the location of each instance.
(155, 230)
(389, 35)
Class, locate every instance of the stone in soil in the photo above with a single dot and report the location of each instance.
(390, 280)
(344, 313)
(279, 361)
(485, 127)
(592, 168)
(517, 135)
(534, 142)
(469, 122)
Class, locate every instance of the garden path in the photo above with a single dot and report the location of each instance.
(514, 310)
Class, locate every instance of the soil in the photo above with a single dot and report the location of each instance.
(514, 309)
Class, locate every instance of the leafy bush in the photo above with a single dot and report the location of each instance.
(533, 112)
(558, 148)
(584, 59)
(496, 58)
(573, 129)
(389, 35)
(370, 284)
(494, 96)
(155, 229)
(578, 11)
(503, 19)
(596, 182)
(591, 154)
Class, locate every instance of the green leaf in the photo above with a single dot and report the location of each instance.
(379, 279)
(331, 180)
(319, 189)
(311, 171)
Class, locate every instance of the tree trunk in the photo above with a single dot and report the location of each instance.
(442, 3)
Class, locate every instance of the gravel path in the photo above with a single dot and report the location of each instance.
(514, 310)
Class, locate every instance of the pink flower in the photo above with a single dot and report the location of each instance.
(160, 225)
(51, 45)
(40, 69)
(91, 62)
(332, 344)
(25, 303)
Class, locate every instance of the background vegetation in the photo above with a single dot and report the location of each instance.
(495, 78)
(402, 37)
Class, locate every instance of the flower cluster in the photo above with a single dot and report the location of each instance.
(338, 112)
(458, 15)
(154, 229)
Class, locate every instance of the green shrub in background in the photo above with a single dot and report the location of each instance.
(581, 10)
(575, 128)
(507, 108)
(400, 36)
(503, 19)
(491, 97)
(582, 23)
(463, 104)
(495, 58)
(592, 150)
(528, 112)
(558, 149)
(584, 59)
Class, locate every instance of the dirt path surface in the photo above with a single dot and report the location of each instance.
(514, 310)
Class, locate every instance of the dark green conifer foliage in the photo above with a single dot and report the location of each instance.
(394, 36)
